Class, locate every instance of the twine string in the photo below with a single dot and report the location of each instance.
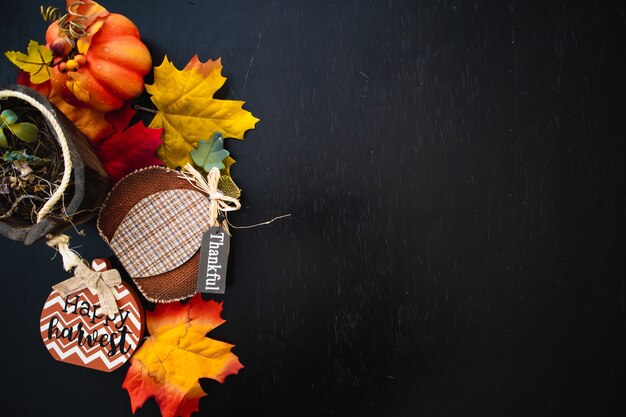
(61, 243)
(251, 226)
(219, 202)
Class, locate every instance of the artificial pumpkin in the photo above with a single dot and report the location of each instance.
(104, 64)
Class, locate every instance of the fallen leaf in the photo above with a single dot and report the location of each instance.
(7, 117)
(91, 122)
(25, 131)
(188, 112)
(128, 150)
(210, 153)
(228, 162)
(176, 355)
(23, 78)
(204, 68)
(36, 61)
(79, 85)
(120, 118)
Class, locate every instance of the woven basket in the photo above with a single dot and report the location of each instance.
(91, 182)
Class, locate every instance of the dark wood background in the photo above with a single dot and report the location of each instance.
(455, 175)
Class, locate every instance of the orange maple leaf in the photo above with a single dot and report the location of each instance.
(177, 354)
(92, 123)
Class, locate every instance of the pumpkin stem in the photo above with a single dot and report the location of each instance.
(70, 24)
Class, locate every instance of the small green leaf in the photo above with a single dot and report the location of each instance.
(210, 154)
(3, 140)
(21, 156)
(25, 131)
(9, 117)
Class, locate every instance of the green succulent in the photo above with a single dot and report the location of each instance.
(24, 131)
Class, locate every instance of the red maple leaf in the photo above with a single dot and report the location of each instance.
(178, 353)
(120, 118)
(130, 149)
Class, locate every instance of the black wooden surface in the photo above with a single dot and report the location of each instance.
(455, 175)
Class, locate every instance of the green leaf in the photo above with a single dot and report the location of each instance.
(9, 117)
(3, 140)
(210, 154)
(25, 131)
(20, 156)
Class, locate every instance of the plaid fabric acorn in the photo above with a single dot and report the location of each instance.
(153, 220)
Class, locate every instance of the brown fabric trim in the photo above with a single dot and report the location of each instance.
(175, 285)
(130, 190)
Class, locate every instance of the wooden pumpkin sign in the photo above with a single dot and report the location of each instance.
(75, 330)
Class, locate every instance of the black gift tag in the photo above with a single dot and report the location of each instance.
(213, 261)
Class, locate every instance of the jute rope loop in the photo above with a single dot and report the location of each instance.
(62, 243)
(65, 150)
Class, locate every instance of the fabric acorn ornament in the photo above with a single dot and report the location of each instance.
(156, 219)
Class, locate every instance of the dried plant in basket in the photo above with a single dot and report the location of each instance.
(50, 177)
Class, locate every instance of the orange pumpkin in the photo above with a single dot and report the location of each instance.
(105, 68)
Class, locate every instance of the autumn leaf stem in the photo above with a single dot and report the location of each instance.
(145, 109)
(23, 61)
(54, 64)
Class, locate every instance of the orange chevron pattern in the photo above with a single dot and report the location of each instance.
(74, 330)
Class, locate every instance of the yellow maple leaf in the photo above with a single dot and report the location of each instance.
(228, 162)
(36, 61)
(188, 112)
(177, 354)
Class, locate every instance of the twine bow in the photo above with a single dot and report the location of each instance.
(219, 202)
(100, 282)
